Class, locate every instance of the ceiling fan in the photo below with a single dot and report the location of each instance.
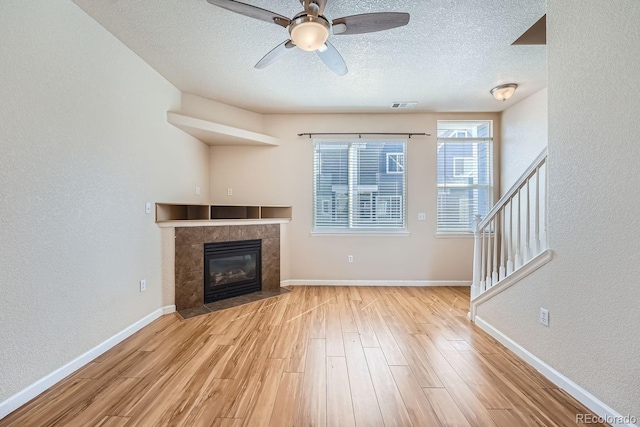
(310, 29)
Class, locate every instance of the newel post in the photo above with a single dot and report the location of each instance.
(477, 258)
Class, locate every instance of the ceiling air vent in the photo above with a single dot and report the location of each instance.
(403, 105)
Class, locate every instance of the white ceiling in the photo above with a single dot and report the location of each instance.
(448, 57)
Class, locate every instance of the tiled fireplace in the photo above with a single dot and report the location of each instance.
(189, 257)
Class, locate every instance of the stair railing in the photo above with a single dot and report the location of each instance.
(514, 231)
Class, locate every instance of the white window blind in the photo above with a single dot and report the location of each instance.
(465, 174)
(359, 185)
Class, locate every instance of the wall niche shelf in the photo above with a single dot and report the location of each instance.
(212, 133)
(170, 212)
(176, 212)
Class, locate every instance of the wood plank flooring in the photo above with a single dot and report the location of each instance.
(318, 356)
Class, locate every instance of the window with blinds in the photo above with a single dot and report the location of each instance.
(465, 174)
(359, 185)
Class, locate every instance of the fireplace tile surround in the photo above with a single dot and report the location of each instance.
(189, 257)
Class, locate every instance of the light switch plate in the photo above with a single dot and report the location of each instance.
(147, 208)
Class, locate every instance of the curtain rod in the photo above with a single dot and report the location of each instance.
(409, 134)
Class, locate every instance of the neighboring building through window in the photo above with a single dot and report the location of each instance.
(395, 162)
(459, 134)
(465, 174)
(464, 167)
(359, 185)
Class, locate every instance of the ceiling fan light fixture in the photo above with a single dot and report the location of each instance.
(309, 33)
(309, 29)
(503, 92)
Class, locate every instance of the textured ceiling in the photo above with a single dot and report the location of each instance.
(448, 57)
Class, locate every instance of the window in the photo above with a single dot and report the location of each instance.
(359, 186)
(395, 162)
(465, 174)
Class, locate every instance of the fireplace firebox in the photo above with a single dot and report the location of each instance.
(232, 269)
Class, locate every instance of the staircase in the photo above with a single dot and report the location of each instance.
(512, 241)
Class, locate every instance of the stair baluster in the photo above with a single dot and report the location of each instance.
(501, 245)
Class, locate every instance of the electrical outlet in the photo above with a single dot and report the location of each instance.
(544, 316)
(197, 191)
(350, 258)
(229, 191)
(422, 216)
(147, 208)
(143, 285)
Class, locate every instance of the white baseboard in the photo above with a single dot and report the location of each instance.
(25, 395)
(297, 282)
(168, 309)
(580, 394)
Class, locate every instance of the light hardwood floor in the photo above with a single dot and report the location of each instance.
(318, 356)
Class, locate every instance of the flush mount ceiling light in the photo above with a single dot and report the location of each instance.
(309, 32)
(503, 92)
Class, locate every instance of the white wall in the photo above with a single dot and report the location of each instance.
(84, 144)
(591, 285)
(283, 175)
(523, 136)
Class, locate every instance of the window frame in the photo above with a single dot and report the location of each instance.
(441, 187)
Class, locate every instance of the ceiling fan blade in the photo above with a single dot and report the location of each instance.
(537, 34)
(332, 59)
(275, 54)
(369, 22)
(252, 11)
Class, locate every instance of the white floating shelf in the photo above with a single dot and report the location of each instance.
(218, 134)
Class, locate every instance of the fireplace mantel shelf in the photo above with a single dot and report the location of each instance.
(222, 222)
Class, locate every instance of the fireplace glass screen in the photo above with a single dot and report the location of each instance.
(231, 269)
